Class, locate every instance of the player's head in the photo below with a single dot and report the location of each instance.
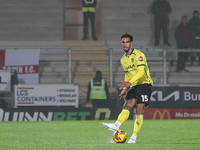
(126, 35)
(127, 41)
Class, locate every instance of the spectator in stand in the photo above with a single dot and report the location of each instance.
(194, 24)
(183, 39)
(89, 13)
(161, 10)
(98, 91)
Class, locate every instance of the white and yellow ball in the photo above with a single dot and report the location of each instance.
(119, 136)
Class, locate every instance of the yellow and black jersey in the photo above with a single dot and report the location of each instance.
(136, 68)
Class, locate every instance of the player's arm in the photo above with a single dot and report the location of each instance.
(140, 73)
(126, 77)
(124, 91)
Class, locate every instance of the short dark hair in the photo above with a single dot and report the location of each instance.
(127, 35)
(184, 17)
(195, 12)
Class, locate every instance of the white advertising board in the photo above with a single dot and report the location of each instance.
(46, 95)
(5, 80)
(24, 61)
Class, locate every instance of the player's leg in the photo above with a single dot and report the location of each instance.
(139, 119)
(123, 116)
(144, 93)
(138, 122)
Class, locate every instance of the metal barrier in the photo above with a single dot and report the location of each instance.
(70, 65)
(69, 51)
(164, 52)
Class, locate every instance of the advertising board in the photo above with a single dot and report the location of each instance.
(46, 95)
(170, 113)
(24, 61)
(175, 97)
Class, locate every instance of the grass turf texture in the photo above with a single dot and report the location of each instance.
(90, 135)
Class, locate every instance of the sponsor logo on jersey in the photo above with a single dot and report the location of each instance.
(140, 58)
(130, 66)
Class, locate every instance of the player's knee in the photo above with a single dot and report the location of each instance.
(139, 109)
(127, 107)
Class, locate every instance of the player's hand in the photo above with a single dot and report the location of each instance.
(124, 84)
(123, 94)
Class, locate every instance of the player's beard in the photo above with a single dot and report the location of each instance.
(126, 50)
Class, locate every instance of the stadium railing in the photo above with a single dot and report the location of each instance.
(163, 55)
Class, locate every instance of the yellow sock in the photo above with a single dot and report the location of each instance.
(137, 124)
(123, 116)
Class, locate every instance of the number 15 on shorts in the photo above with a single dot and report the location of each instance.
(144, 98)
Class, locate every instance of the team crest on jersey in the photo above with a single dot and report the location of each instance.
(140, 58)
(132, 59)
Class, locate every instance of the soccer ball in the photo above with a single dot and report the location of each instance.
(119, 136)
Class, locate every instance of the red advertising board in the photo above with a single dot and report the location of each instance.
(170, 113)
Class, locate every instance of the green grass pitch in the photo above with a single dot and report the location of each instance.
(90, 135)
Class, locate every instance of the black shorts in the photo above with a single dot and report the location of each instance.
(141, 92)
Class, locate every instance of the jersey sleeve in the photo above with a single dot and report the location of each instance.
(141, 59)
(139, 74)
(127, 77)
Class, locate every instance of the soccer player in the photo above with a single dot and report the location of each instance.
(136, 89)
